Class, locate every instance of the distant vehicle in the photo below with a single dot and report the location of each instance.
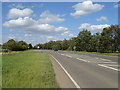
(55, 49)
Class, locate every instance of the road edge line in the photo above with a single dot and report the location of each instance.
(77, 86)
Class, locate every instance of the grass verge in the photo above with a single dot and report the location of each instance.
(28, 69)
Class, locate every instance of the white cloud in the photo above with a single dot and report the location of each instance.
(30, 26)
(116, 5)
(19, 23)
(18, 5)
(51, 37)
(11, 36)
(15, 13)
(85, 8)
(4, 0)
(93, 27)
(102, 18)
(27, 35)
(14, 36)
(47, 17)
(67, 33)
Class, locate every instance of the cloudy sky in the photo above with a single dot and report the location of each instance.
(40, 22)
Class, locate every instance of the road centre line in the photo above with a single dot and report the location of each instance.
(107, 62)
(82, 60)
(108, 67)
(62, 54)
(103, 59)
(74, 82)
(69, 56)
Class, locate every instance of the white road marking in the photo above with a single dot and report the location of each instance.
(103, 59)
(82, 60)
(74, 82)
(108, 67)
(107, 62)
(69, 56)
(62, 54)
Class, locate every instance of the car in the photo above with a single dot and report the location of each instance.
(55, 49)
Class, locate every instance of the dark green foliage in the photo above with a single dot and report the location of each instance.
(15, 46)
(106, 41)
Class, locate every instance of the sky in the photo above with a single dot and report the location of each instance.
(40, 22)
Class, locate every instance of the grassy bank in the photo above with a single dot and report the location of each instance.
(28, 69)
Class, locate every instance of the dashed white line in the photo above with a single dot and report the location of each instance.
(103, 59)
(69, 56)
(112, 65)
(62, 54)
(108, 67)
(107, 62)
(82, 60)
(74, 82)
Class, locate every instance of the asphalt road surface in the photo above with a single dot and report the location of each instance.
(87, 70)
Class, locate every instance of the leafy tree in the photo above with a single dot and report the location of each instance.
(11, 45)
(30, 46)
(15, 46)
(65, 44)
(83, 41)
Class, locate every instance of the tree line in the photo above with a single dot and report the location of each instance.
(106, 41)
(16, 46)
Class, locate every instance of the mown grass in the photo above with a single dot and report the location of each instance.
(28, 69)
(0, 72)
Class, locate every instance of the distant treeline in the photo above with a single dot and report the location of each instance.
(106, 41)
(16, 46)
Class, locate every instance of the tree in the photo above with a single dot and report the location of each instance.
(109, 41)
(11, 45)
(72, 43)
(83, 41)
(65, 44)
(30, 46)
(15, 46)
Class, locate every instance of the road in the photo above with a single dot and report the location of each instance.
(87, 70)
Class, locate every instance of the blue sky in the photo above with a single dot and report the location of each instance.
(40, 22)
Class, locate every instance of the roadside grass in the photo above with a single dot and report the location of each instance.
(0, 72)
(28, 69)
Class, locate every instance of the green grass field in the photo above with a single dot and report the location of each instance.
(0, 72)
(28, 69)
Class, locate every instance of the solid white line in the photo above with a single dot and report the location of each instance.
(108, 67)
(77, 86)
(82, 60)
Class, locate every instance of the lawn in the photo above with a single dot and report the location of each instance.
(28, 69)
(0, 72)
